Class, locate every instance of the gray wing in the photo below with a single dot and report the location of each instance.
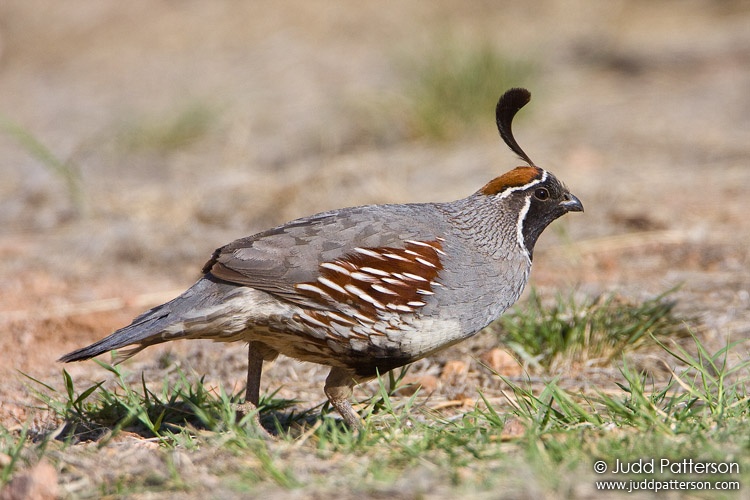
(275, 260)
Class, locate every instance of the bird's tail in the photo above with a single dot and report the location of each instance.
(191, 315)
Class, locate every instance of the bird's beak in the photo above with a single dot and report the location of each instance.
(571, 203)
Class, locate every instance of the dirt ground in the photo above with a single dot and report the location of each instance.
(641, 107)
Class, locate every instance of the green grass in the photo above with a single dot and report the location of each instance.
(67, 171)
(590, 331)
(455, 86)
(537, 439)
(13, 447)
(168, 132)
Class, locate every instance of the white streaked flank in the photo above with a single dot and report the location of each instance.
(359, 276)
(310, 288)
(368, 252)
(392, 281)
(425, 262)
(376, 272)
(362, 318)
(339, 318)
(306, 317)
(395, 257)
(364, 296)
(335, 267)
(330, 284)
(400, 307)
(382, 289)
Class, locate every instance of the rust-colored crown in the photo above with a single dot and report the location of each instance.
(518, 177)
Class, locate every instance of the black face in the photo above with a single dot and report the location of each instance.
(547, 201)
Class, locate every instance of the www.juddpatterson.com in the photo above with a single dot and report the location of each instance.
(673, 484)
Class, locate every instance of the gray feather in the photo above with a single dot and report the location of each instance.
(152, 327)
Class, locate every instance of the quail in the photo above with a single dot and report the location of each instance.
(366, 289)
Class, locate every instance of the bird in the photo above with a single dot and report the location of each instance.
(367, 289)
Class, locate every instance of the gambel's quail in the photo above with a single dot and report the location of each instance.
(365, 289)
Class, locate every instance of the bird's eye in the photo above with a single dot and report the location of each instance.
(541, 194)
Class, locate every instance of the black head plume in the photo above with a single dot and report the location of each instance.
(507, 107)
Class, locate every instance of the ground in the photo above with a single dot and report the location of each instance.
(136, 137)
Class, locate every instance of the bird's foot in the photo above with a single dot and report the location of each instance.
(242, 410)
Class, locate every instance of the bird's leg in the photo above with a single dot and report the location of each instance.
(252, 392)
(339, 388)
(254, 369)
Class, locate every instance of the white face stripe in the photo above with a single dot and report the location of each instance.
(505, 193)
(519, 226)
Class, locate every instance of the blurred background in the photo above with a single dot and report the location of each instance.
(136, 137)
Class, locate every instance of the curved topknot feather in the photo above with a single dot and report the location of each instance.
(507, 107)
